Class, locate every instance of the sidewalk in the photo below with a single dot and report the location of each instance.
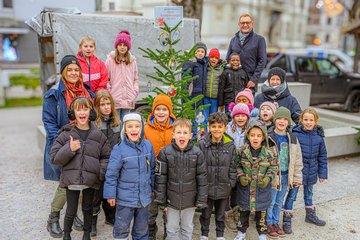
(25, 196)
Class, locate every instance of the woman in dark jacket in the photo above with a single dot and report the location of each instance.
(275, 89)
(54, 116)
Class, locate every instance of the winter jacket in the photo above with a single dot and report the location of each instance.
(251, 197)
(54, 117)
(295, 160)
(94, 72)
(238, 134)
(181, 177)
(198, 67)
(87, 165)
(130, 174)
(285, 99)
(221, 166)
(112, 133)
(213, 79)
(252, 54)
(314, 156)
(123, 81)
(231, 83)
(159, 135)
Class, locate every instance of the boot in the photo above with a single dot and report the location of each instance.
(287, 222)
(53, 225)
(86, 236)
(67, 236)
(93, 226)
(312, 218)
(78, 224)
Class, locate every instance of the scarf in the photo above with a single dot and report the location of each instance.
(242, 36)
(273, 92)
(73, 91)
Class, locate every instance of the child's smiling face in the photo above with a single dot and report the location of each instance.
(281, 124)
(213, 61)
(266, 114)
(256, 137)
(217, 131)
(200, 53)
(235, 62)
(133, 130)
(161, 114)
(308, 121)
(241, 120)
(242, 99)
(122, 48)
(182, 136)
(82, 117)
(88, 48)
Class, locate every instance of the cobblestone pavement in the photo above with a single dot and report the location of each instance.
(25, 196)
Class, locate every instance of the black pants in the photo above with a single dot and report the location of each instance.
(72, 199)
(220, 206)
(99, 200)
(259, 219)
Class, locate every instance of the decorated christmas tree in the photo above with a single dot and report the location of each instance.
(168, 73)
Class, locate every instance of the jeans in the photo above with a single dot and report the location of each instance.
(123, 218)
(291, 197)
(72, 199)
(259, 219)
(180, 223)
(220, 206)
(211, 109)
(277, 199)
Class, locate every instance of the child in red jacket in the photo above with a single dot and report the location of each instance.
(94, 72)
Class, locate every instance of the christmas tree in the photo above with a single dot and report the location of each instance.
(168, 68)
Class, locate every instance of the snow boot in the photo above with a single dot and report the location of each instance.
(312, 218)
(287, 222)
(67, 236)
(78, 224)
(53, 225)
(93, 232)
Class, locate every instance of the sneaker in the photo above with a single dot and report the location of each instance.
(204, 238)
(240, 236)
(272, 232)
(262, 237)
(279, 231)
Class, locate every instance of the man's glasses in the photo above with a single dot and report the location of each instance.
(247, 23)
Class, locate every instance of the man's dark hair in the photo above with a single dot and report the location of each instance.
(218, 117)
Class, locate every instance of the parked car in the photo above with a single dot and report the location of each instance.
(329, 83)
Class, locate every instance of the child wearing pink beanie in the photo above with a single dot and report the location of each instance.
(240, 116)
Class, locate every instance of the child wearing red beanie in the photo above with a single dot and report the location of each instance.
(123, 74)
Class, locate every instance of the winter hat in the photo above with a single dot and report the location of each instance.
(279, 72)
(259, 124)
(130, 117)
(214, 53)
(246, 93)
(123, 37)
(162, 99)
(67, 60)
(240, 108)
(282, 112)
(271, 105)
(201, 45)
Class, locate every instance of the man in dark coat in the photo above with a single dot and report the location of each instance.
(252, 50)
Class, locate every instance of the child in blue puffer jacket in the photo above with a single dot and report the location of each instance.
(129, 180)
(314, 166)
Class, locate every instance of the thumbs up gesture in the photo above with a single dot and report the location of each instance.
(74, 144)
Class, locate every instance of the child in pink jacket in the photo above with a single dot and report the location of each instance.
(93, 70)
(123, 74)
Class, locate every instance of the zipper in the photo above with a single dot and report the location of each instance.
(181, 177)
(82, 161)
(89, 72)
(211, 82)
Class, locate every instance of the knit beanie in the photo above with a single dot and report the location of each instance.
(130, 117)
(123, 37)
(201, 45)
(240, 108)
(67, 60)
(246, 93)
(282, 112)
(279, 72)
(271, 105)
(162, 99)
(214, 53)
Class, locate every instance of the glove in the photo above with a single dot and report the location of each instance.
(244, 180)
(264, 182)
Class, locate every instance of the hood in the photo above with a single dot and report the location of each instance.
(259, 124)
(151, 121)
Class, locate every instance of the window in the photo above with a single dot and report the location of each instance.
(7, 3)
(111, 6)
(305, 65)
(281, 63)
(326, 67)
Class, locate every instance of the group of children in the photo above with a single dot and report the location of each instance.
(251, 162)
